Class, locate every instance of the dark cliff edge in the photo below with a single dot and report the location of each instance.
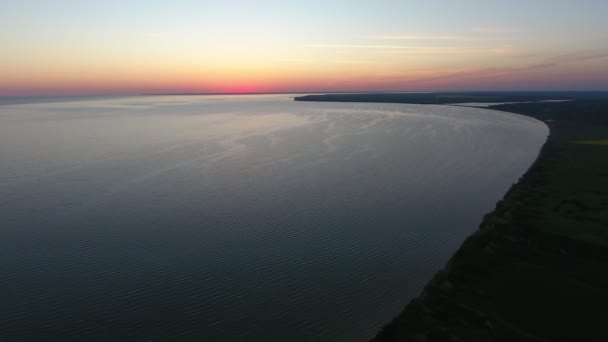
(536, 269)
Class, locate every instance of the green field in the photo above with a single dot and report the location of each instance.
(593, 142)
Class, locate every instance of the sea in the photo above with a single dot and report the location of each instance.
(237, 218)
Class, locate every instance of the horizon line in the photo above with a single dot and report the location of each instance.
(304, 92)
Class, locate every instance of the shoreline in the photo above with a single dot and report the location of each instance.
(417, 309)
(533, 270)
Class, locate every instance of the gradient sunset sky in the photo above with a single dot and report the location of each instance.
(69, 47)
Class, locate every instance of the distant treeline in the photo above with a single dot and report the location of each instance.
(586, 107)
(449, 97)
(591, 111)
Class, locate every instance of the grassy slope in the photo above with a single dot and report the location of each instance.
(537, 269)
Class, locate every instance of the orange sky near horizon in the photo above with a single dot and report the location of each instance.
(134, 47)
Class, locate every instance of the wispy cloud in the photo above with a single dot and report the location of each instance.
(496, 30)
(389, 47)
(434, 79)
(496, 73)
(406, 49)
(303, 60)
(504, 50)
(579, 56)
(298, 60)
(484, 72)
(351, 46)
(496, 50)
(354, 62)
(426, 37)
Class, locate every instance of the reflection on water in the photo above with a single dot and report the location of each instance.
(237, 217)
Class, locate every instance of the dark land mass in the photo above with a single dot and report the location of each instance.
(537, 268)
(453, 98)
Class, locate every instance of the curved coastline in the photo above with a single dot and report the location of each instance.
(436, 170)
(417, 316)
(416, 322)
(533, 269)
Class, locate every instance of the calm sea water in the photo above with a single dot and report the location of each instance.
(237, 218)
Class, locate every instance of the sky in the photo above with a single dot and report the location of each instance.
(81, 47)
